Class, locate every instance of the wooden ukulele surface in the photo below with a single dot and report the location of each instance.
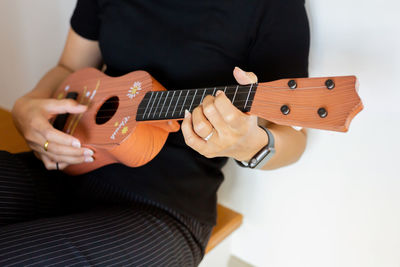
(129, 117)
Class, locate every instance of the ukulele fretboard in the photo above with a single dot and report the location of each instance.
(163, 105)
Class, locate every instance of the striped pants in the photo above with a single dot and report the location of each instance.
(43, 223)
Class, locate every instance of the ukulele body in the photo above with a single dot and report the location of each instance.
(109, 125)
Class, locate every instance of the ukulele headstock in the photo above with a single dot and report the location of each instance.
(323, 103)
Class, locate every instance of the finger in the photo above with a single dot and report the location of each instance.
(54, 106)
(213, 116)
(51, 165)
(36, 141)
(230, 114)
(68, 159)
(48, 163)
(65, 150)
(55, 136)
(69, 150)
(62, 166)
(202, 127)
(85, 157)
(243, 77)
(191, 138)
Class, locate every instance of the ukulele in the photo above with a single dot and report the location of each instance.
(129, 118)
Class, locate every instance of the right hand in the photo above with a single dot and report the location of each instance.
(31, 117)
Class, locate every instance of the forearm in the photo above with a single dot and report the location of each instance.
(49, 82)
(289, 145)
(78, 53)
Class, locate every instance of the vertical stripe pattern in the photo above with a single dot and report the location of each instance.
(38, 229)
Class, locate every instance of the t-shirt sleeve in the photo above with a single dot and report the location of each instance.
(85, 19)
(281, 43)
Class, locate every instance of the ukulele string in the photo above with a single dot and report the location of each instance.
(148, 81)
(263, 104)
(238, 93)
(77, 117)
(272, 88)
(73, 118)
(158, 109)
(237, 103)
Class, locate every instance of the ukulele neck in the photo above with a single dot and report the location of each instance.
(167, 105)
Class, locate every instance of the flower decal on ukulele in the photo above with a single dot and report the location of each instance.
(134, 90)
(122, 126)
(124, 130)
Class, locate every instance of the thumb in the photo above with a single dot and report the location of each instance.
(243, 77)
(54, 106)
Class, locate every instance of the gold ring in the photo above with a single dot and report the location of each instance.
(46, 145)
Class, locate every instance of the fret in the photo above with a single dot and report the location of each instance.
(156, 93)
(176, 104)
(252, 94)
(184, 102)
(247, 99)
(213, 94)
(190, 108)
(164, 103)
(239, 95)
(198, 99)
(151, 96)
(204, 93)
(229, 93)
(234, 96)
(158, 103)
(172, 98)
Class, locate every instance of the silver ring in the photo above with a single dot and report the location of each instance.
(208, 136)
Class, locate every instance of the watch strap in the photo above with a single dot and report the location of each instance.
(262, 156)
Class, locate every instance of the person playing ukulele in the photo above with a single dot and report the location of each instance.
(162, 213)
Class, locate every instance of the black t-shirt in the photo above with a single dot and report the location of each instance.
(191, 44)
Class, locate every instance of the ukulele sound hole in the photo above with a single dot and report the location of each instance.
(107, 110)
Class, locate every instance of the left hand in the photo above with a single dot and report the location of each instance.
(234, 133)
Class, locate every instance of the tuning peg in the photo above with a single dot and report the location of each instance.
(322, 112)
(292, 84)
(330, 84)
(285, 110)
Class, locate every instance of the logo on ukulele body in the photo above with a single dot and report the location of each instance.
(134, 90)
(122, 126)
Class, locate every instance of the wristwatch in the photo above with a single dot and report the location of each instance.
(262, 156)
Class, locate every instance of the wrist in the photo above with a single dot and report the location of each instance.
(259, 159)
(260, 140)
(20, 102)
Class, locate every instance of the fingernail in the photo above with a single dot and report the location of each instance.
(239, 69)
(88, 152)
(187, 113)
(89, 159)
(218, 93)
(76, 143)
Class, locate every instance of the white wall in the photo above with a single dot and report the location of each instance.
(338, 206)
(32, 36)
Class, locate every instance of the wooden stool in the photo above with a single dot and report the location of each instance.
(11, 141)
